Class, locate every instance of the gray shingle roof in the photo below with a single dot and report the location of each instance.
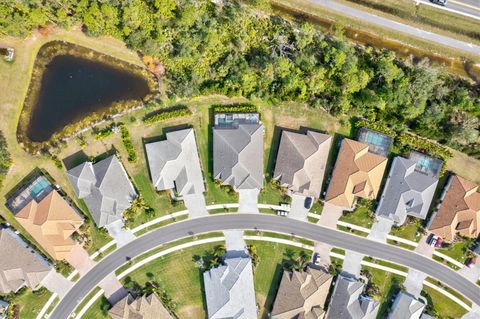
(28, 268)
(406, 306)
(105, 187)
(174, 163)
(229, 290)
(407, 192)
(347, 301)
(301, 161)
(238, 156)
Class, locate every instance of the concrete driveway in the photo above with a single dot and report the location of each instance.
(297, 208)
(80, 260)
(380, 229)
(414, 282)
(234, 243)
(248, 200)
(113, 289)
(471, 273)
(119, 233)
(352, 263)
(196, 205)
(323, 250)
(330, 215)
(56, 283)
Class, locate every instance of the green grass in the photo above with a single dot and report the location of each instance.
(360, 217)
(386, 263)
(388, 285)
(446, 263)
(31, 302)
(99, 309)
(99, 237)
(444, 307)
(353, 231)
(268, 272)
(407, 231)
(457, 251)
(317, 207)
(177, 274)
(272, 195)
(402, 245)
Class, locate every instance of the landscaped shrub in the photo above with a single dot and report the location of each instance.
(376, 126)
(429, 147)
(235, 108)
(167, 113)
(127, 142)
(5, 159)
(104, 132)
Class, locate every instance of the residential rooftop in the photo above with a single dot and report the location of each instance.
(143, 307)
(233, 120)
(428, 165)
(357, 173)
(407, 192)
(459, 212)
(238, 155)
(105, 188)
(174, 163)
(406, 306)
(229, 290)
(301, 161)
(302, 294)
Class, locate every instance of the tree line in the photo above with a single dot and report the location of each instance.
(236, 49)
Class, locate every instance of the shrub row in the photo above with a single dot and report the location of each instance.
(104, 132)
(166, 114)
(127, 142)
(5, 158)
(235, 108)
(427, 146)
(376, 126)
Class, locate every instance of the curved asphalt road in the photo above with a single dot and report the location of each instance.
(265, 222)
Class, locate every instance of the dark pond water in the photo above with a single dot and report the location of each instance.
(74, 87)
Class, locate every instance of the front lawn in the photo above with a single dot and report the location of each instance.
(268, 272)
(99, 309)
(361, 216)
(458, 250)
(442, 306)
(408, 231)
(30, 302)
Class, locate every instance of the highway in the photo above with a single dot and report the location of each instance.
(210, 223)
(399, 27)
(466, 6)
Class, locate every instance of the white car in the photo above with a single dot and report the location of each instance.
(432, 241)
(317, 259)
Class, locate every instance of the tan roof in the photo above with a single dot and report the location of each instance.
(51, 222)
(302, 294)
(146, 307)
(27, 268)
(459, 211)
(357, 173)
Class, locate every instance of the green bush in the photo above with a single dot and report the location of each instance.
(5, 159)
(429, 147)
(104, 132)
(376, 126)
(166, 114)
(127, 142)
(235, 108)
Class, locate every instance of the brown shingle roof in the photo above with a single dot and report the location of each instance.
(146, 307)
(357, 172)
(51, 222)
(302, 294)
(459, 210)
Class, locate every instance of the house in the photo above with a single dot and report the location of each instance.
(407, 192)
(406, 306)
(238, 150)
(174, 163)
(3, 309)
(357, 173)
(144, 307)
(459, 212)
(229, 291)
(302, 294)
(347, 301)
(51, 222)
(301, 162)
(105, 188)
(28, 268)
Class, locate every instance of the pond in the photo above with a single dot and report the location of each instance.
(67, 88)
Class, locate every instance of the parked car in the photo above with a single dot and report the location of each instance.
(439, 242)
(317, 259)
(471, 262)
(432, 240)
(439, 2)
(308, 202)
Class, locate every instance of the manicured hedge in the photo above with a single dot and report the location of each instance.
(166, 114)
(235, 108)
(376, 126)
(127, 142)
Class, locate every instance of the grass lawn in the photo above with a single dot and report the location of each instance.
(99, 309)
(457, 251)
(177, 274)
(31, 302)
(444, 307)
(407, 231)
(269, 271)
(360, 217)
(388, 285)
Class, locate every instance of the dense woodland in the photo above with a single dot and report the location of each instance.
(233, 49)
